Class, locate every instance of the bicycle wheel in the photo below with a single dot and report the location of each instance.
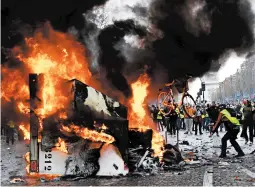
(187, 99)
(163, 103)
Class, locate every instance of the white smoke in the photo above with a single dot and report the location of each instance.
(115, 10)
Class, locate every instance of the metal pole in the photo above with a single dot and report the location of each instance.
(34, 122)
(177, 138)
(203, 96)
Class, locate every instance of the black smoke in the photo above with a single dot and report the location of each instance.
(62, 14)
(111, 57)
(181, 51)
(188, 45)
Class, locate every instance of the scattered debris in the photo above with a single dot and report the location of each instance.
(184, 142)
(251, 180)
(192, 162)
(237, 178)
(223, 164)
(236, 161)
(42, 179)
(172, 155)
(16, 180)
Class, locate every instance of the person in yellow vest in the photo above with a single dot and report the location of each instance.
(160, 121)
(232, 126)
(183, 126)
(178, 122)
(10, 131)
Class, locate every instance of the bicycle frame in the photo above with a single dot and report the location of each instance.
(169, 93)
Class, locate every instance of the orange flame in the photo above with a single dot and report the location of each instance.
(61, 145)
(59, 57)
(23, 108)
(85, 133)
(138, 117)
(25, 131)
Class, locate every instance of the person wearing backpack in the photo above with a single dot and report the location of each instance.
(247, 122)
(232, 126)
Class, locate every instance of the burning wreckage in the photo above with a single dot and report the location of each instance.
(92, 137)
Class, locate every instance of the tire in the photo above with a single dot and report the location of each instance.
(162, 97)
(190, 98)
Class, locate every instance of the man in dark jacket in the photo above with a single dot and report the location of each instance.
(170, 121)
(213, 113)
(247, 122)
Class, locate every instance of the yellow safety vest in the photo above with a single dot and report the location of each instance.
(203, 116)
(159, 116)
(206, 115)
(11, 124)
(227, 115)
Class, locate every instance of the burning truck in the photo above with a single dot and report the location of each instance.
(90, 138)
(74, 129)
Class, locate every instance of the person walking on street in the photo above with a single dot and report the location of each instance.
(187, 119)
(247, 122)
(10, 132)
(198, 120)
(233, 128)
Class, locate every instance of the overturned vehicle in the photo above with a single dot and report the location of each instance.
(91, 138)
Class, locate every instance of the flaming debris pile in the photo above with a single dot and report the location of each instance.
(138, 115)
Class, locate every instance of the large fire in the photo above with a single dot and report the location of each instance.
(58, 56)
(138, 116)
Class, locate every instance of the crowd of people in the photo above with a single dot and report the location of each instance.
(211, 118)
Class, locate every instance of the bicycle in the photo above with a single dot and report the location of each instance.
(165, 99)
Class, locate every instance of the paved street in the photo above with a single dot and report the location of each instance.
(210, 170)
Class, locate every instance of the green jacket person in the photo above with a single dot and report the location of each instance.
(232, 126)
